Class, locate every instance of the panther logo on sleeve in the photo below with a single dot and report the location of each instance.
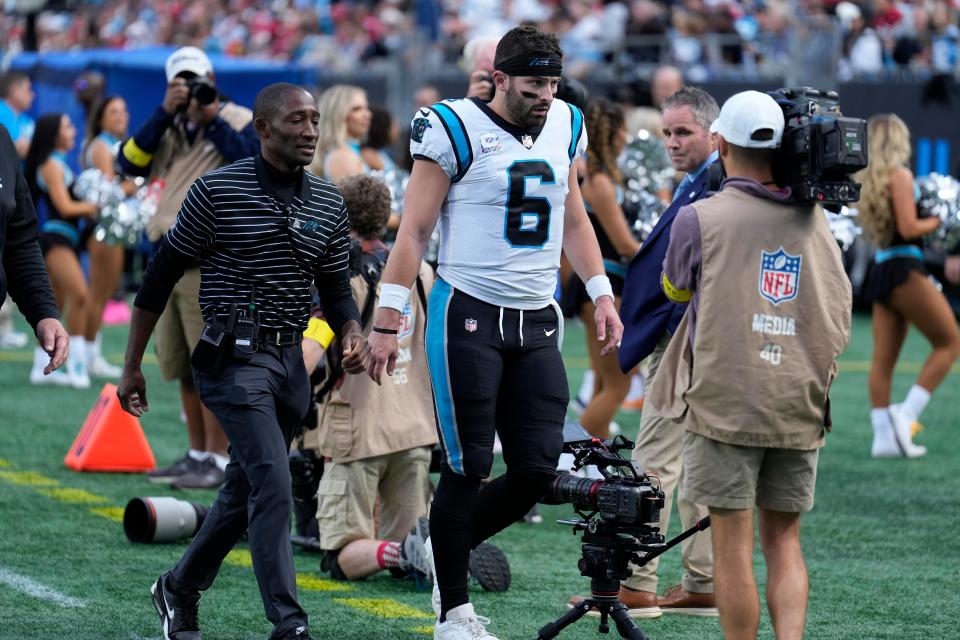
(420, 126)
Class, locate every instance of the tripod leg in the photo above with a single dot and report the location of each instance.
(552, 629)
(625, 624)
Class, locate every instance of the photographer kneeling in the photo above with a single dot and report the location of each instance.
(378, 439)
(770, 308)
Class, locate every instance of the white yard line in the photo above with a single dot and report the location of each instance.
(33, 588)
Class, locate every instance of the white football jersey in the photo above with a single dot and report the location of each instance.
(501, 225)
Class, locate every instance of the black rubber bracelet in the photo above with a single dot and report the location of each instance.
(391, 332)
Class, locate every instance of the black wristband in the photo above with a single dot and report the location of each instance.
(390, 332)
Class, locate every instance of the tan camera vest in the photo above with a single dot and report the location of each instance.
(773, 315)
(361, 419)
(179, 163)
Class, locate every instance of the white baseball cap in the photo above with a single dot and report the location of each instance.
(188, 59)
(746, 114)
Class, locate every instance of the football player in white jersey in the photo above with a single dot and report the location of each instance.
(501, 177)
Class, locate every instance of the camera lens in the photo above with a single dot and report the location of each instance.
(205, 94)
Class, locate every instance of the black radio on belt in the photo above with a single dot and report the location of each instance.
(238, 339)
(245, 329)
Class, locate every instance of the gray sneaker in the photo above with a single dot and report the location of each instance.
(168, 475)
(206, 475)
(413, 549)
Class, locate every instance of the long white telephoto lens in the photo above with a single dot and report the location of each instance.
(162, 519)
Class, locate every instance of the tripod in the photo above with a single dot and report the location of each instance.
(605, 560)
(603, 595)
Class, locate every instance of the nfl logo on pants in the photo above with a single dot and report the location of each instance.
(779, 275)
(470, 325)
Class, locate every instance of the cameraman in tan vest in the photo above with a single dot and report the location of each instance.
(377, 438)
(749, 370)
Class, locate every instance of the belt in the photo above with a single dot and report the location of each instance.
(279, 337)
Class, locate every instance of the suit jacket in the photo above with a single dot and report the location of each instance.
(645, 311)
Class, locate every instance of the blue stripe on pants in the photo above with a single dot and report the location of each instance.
(436, 343)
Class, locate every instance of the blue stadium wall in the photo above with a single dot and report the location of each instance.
(930, 108)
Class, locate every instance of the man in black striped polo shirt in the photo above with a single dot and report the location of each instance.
(261, 230)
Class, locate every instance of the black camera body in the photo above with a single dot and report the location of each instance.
(820, 148)
(625, 504)
(202, 90)
(620, 502)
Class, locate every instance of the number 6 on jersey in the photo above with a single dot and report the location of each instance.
(527, 218)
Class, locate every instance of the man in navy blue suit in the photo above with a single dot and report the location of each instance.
(649, 320)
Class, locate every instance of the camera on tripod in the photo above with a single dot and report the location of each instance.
(820, 148)
(618, 517)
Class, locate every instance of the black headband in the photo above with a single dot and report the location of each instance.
(527, 65)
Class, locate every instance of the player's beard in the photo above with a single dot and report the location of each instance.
(520, 109)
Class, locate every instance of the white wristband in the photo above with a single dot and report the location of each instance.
(599, 286)
(393, 296)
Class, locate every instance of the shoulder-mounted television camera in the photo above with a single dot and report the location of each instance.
(820, 148)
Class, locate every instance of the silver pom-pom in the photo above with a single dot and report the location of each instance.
(646, 171)
(844, 226)
(940, 197)
(396, 180)
(121, 219)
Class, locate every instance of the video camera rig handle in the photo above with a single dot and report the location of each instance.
(602, 454)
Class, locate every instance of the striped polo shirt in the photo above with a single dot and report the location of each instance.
(251, 246)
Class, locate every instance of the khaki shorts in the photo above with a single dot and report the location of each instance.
(179, 328)
(348, 494)
(728, 476)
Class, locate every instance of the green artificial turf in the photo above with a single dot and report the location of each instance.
(881, 543)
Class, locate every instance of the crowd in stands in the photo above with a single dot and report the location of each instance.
(705, 38)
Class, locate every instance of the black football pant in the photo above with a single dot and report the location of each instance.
(260, 405)
(499, 370)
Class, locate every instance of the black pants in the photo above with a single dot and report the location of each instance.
(260, 404)
(493, 370)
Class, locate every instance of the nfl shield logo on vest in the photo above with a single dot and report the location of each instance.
(470, 325)
(406, 323)
(779, 275)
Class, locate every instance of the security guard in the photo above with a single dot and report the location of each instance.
(261, 230)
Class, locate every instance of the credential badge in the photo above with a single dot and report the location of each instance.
(779, 275)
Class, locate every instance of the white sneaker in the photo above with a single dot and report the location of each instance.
(435, 596)
(57, 378)
(13, 340)
(77, 363)
(463, 624)
(884, 445)
(903, 434)
(78, 376)
(98, 367)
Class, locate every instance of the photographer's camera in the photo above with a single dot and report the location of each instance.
(202, 90)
